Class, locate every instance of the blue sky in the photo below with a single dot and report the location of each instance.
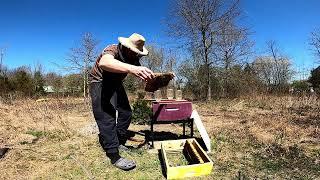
(289, 23)
(42, 31)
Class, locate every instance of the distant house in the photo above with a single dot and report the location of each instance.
(48, 89)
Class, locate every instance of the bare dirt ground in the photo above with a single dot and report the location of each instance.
(252, 138)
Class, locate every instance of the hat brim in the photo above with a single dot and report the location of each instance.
(127, 43)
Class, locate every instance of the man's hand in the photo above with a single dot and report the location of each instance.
(143, 73)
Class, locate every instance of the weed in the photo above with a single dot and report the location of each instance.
(35, 133)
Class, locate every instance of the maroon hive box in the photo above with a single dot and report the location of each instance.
(171, 110)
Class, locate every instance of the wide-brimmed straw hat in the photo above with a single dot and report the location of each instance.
(135, 43)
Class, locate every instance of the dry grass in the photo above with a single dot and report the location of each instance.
(36, 132)
(263, 137)
(47, 142)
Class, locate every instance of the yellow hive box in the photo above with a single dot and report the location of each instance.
(201, 163)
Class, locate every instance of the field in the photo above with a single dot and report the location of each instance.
(265, 137)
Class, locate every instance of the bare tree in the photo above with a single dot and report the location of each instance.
(315, 43)
(282, 63)
(159, 60)
(1, 58)
(81, 57)
(155, 60)
(233, 47)
(271, 72)
(275, 69)
(197, 22)
(170, 61)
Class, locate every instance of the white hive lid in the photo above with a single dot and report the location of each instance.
(202, 130)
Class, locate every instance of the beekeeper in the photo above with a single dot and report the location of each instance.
(108, 94)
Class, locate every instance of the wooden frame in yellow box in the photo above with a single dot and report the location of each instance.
(186, 170)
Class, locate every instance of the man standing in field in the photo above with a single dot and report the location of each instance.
(108, 94)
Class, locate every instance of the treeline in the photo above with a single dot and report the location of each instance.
(268, 74)
(25, 82)
(260, 77)
(264, 75)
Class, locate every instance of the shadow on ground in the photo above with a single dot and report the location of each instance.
(159, 136)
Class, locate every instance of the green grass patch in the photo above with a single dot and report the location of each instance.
(35, 133)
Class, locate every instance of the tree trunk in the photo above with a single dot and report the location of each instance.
(208, 83)
(84, 84)
(206, 59)
(225, 75)
(85, 76)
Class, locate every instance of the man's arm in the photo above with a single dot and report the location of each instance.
(109, 63)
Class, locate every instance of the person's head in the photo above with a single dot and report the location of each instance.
(128, 54)
(133, 48)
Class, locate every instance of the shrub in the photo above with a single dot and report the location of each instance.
(300, 85)
(141, 112)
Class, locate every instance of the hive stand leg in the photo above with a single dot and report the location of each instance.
(184, 129)
(191, 127)
(152, 135)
